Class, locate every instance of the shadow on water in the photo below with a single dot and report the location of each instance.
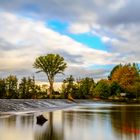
(84, 123)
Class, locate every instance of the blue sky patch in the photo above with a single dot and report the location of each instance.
(58, 26)
(108, 66)
(89, 40)
(85, 38)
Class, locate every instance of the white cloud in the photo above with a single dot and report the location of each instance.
(29, 39)
(117, 5)
(115, 22)
(78, 28)
(106, 39)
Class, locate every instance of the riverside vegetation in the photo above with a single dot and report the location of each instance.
(122, 79)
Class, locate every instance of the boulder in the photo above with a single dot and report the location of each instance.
(41, 120)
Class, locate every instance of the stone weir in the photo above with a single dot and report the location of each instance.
(17, 105)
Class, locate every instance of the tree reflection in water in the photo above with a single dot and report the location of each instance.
(125, 122)
(84, 123)
(50, 130)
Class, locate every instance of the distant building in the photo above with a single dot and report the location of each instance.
(123, 94)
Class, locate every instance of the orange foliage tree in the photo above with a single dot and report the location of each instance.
(126, 76)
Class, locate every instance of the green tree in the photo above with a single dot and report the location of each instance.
(11, 86)
(115, 88)
(23, 88)
(51, 65)
(80, 89)
(2, 88)
(102, 89)
(136, 67)
(68, 86)
(27, 88)
(134, 90)
(86, 87)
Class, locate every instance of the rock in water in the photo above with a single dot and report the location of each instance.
(41, 120)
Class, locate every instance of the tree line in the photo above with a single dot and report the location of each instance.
(11, 88)
(122, 79)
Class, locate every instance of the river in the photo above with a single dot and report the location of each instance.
(98, 121)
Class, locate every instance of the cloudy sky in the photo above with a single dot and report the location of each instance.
(92, 35)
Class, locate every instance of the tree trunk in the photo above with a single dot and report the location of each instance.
(51, 89)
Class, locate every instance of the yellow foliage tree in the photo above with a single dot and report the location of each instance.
(126, 76)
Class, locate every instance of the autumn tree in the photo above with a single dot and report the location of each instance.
(113, 70)
(126, 76)
(51, 65)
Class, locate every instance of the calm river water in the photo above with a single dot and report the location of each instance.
(88, 122)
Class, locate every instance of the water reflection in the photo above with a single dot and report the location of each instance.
(51, 130)
(16, 128)
(84, 123)
(125, 122)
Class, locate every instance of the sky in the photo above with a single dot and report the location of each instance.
(92, 35)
